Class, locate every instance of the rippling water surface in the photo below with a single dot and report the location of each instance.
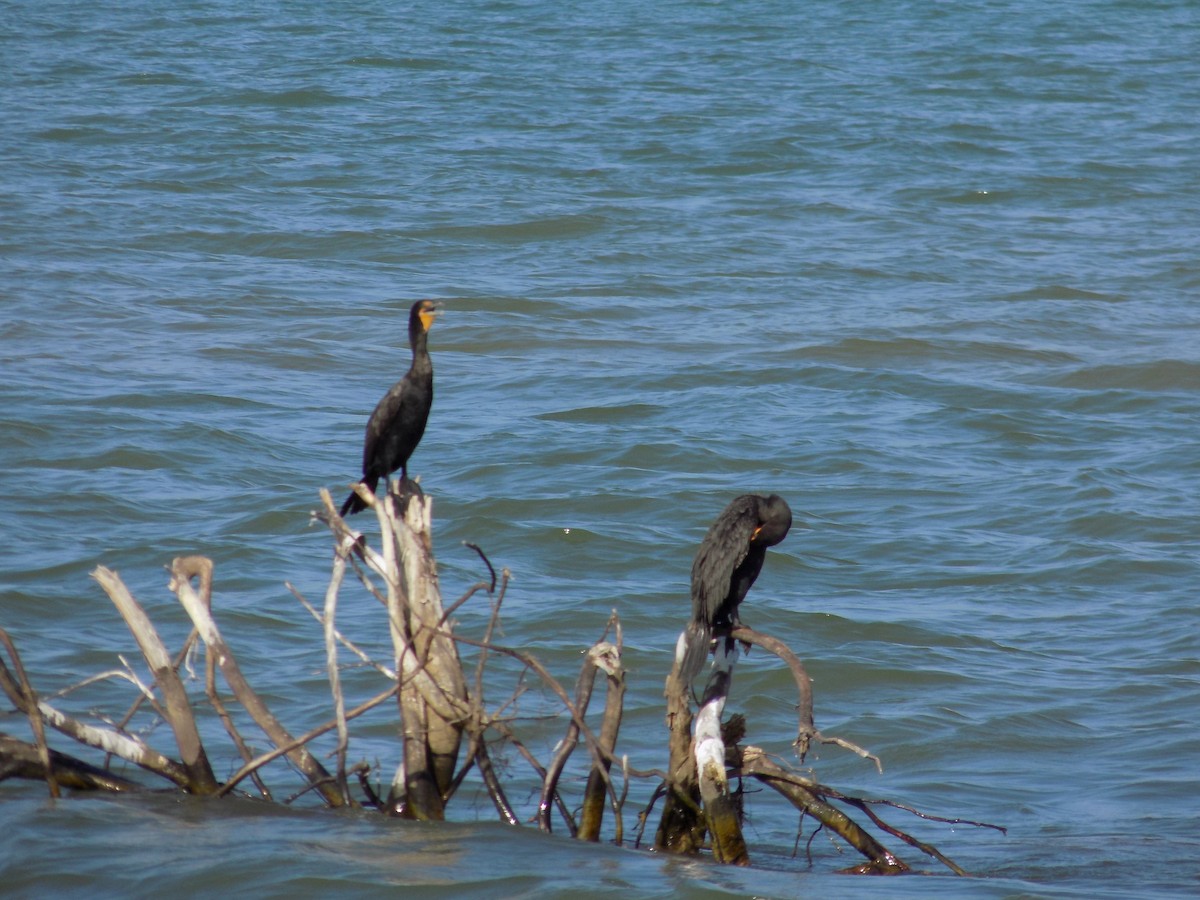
(927, 270)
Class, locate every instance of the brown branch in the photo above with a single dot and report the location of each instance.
(125, 746)
(804, 795)
(214, 698)
(808, 731)
(19, 759)
(180, 657)
(594, 793)
(487, 562)
(583, 697)
(590, 739)
(681, 827)
(293, 744)
(478, 755)
(29, 704)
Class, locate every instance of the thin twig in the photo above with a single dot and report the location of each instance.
(260, 761)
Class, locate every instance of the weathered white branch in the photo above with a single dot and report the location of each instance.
(720, 811)
(178, 706)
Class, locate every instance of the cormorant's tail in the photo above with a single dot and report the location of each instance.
(692, 650)
(354, 503)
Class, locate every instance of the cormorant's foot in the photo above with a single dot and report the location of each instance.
(403, 489)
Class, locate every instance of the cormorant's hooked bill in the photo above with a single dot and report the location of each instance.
(726, 565)
(396, 425)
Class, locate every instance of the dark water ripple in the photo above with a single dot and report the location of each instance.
(927, 271)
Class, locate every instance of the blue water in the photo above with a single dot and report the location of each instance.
(927, 270)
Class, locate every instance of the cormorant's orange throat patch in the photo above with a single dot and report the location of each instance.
(427, 319)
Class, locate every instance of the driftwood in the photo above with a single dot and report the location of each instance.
(446, 728)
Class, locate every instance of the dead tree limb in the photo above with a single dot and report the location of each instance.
(681, 828)
(432, 699)
(595, 792)
(291, 746)
(341, 553)
(721, 813)
(808, 731)
(177, 704)
(531, 662)
(430, 659)
(28, 702)
(583, 698)
(805, 796)
(113, 742)
(19, 759)
(218, 705)
(183, 570)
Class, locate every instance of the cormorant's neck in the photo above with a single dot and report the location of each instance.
(419, 339)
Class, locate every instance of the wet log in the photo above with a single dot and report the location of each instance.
(19, 759)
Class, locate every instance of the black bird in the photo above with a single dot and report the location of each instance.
(730, 558)
(396, 425)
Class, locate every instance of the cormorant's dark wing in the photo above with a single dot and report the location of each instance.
(384, 419)
(722, 551)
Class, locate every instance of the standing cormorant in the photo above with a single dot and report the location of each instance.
(396, 425)
(729, 559)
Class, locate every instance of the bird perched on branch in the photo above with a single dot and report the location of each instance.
(726, 565)
(396, 425)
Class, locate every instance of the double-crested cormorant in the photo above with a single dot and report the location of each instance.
(730, 558)
(396, 425)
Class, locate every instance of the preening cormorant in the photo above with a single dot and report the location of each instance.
(396, 425)
(729, 559)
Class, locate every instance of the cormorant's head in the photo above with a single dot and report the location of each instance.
(422, 314)
(776, 518)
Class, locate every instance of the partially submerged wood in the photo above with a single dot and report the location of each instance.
(25, 698)
(608, 658)
(432, 697)
(699, 801)
(125, 746)
(705, 753)
(682, 827)
(441, 712)
(721, 812)
(20, 759)
(805, 795)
